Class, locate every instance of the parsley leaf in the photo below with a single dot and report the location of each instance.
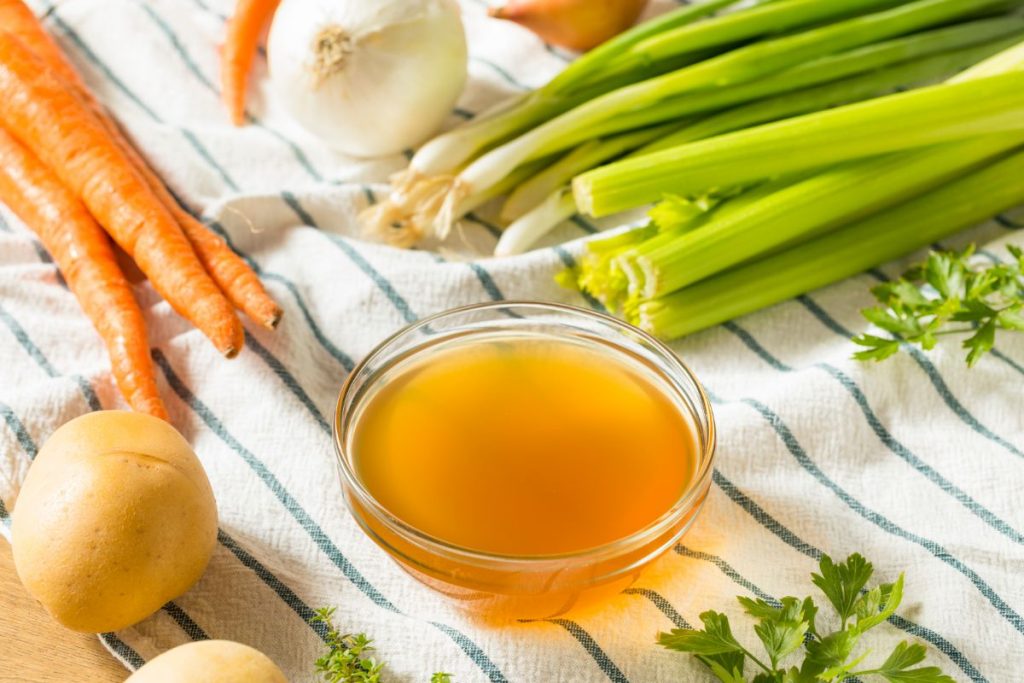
(878, 604)
(715, 639)
(727, 668)
(896, 669)
(831, 651)
(841, 583)
(930, 299)
(788, 626)
(781, 638)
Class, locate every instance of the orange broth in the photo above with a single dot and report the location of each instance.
(524, 445)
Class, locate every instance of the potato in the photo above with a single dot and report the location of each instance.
(115, 518)
(210, 661)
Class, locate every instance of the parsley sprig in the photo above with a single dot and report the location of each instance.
(790, 626)
(947, 295)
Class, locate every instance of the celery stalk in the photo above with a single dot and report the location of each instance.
(597, 272)
(811, 207)
(840, 254)
(921, 117)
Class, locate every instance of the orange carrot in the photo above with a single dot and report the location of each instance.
(243, 36)
(86, 258)
(18, 19)
(238, 282)
(65, 133)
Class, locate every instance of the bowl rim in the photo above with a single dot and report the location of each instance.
(690, 499)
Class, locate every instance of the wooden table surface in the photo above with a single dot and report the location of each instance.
(36, 649)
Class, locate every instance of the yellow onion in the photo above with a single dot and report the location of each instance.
(574, 24)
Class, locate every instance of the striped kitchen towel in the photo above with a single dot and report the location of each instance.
(917, 463)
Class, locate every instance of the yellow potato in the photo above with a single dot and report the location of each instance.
(210, 661)
(115, 518)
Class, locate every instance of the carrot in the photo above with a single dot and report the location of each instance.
(86, 258)
(241, 285)
(234, 277)
(65, 133)
(243, 36)
(18, 19)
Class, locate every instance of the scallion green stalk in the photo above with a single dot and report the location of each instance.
(593, 66)
(582, 80)
(921, 117)
(557, 176)
(821, 97)
(741, 65)
(1011, 59)
(819, 71)
(839, 254)
(767, 20)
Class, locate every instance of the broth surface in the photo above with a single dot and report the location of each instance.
(524, 445)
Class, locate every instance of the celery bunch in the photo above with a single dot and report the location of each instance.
(816, 223)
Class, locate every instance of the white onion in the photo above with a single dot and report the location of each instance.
(368, 77)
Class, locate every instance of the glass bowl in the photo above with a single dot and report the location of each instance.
(524, 587)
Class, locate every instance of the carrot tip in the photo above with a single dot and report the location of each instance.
(274, 319)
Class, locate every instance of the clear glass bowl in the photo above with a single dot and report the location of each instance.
(517, 586)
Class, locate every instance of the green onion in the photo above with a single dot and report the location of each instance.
(584, 79)
(1007, 60)
(585, 157)
(902, 121)
(593, 65)
(823, 70)
(534, 224)
(830, 94)
(773, 18)
(840, 254)
(741, 65)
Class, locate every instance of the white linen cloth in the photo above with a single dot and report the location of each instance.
(917, 462)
